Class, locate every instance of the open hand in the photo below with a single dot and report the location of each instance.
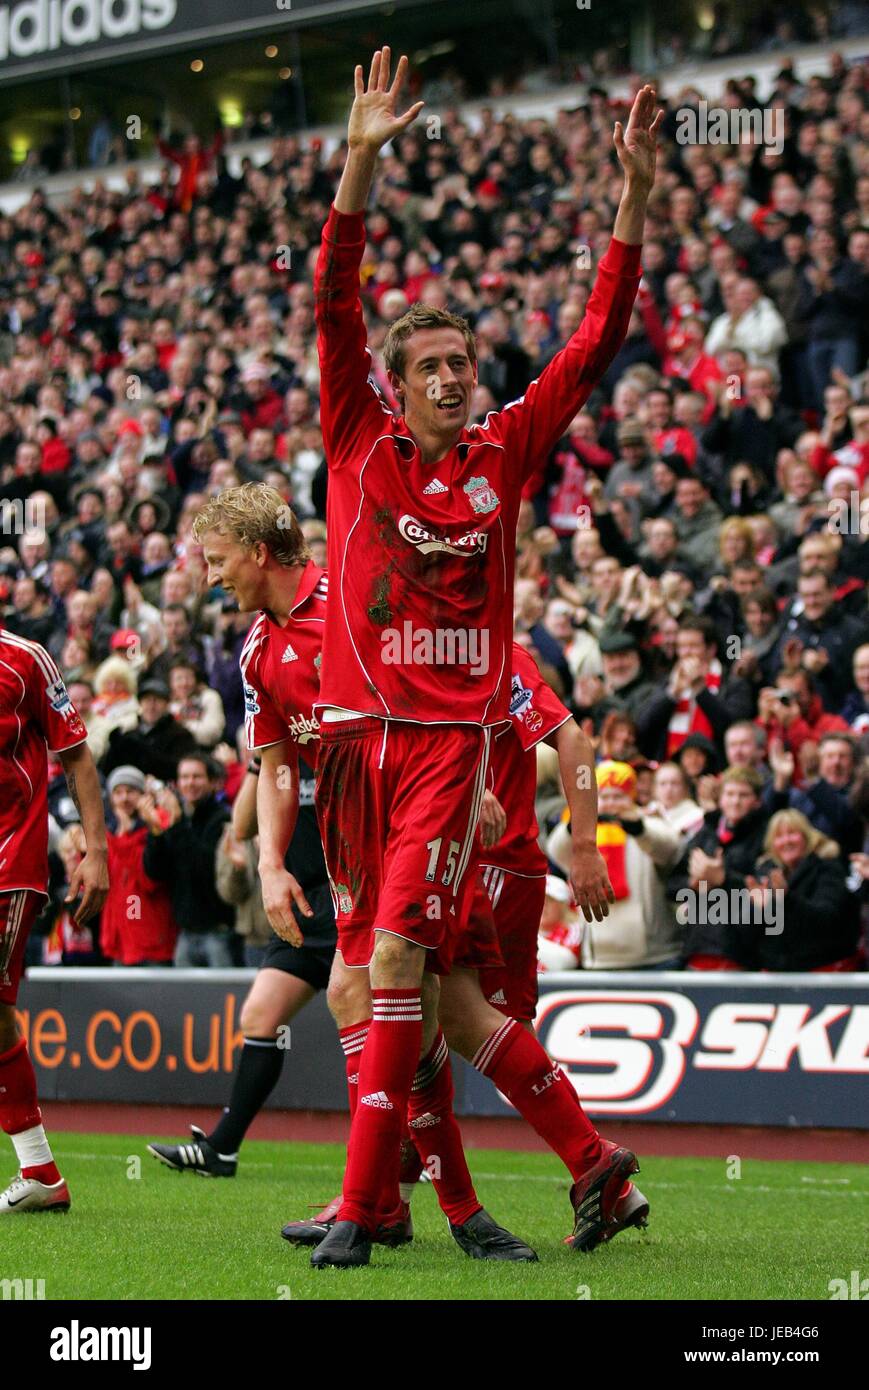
(636, 146)
(372, 117)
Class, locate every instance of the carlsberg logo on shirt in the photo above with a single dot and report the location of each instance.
(41, 26)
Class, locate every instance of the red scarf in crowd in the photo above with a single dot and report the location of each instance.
(688, 718)
(611, 838)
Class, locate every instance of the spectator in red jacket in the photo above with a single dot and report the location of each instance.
(791, 713)
(192, 161)
(263, 406)
(138, 927)
(853, 454)
(570, 462)
(668, 436)
(687, 362)
(55, 453)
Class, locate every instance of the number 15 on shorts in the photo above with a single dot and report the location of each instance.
(434, 849)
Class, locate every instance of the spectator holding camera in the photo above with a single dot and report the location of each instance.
(791, 713)
(67, 942)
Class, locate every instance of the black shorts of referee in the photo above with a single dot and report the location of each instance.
(312, 961)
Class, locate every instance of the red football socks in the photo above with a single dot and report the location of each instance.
(352, 1042)
(543, 1095)
(21, 1117)
(410, 1167)
(386, 1070)
(19, 1107)
(437, 1137)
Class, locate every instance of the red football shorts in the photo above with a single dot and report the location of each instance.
(517, 905)
(398, 806)
(477, 946)
(18, 912)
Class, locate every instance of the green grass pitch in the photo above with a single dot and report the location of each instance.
(140, 1231)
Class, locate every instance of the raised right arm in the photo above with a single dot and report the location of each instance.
(347, 401)
(372, 123)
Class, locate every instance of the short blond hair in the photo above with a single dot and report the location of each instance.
(746, 776)
(252, 514)
(816, 841)
(117, 668)
(738, 526)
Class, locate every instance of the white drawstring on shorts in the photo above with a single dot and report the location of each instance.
(383, 744)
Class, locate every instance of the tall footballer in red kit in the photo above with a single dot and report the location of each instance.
(421, 523)
(36, 713)
(253, 548)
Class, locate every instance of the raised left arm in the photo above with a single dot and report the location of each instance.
(531, 426)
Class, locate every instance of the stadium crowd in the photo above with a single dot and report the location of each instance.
(692, 562)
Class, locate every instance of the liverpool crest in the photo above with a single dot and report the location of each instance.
(481, 495)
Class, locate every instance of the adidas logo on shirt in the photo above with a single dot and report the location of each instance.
(379, 1100)
(498, 997)
(434, 487)
(289, 655)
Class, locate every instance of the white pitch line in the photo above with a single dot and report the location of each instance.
(739, 1185)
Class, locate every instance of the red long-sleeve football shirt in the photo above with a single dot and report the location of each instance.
(35, 710)
(421, 557)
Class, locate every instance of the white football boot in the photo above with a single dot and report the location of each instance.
(29, 1194)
